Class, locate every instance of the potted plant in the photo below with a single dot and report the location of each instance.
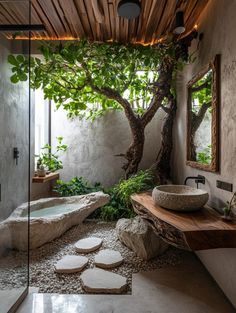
(50, 161)
(229, 207)
(41, 172)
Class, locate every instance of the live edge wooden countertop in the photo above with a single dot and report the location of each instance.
(200, 230)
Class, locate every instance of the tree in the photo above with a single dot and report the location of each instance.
(89, 79)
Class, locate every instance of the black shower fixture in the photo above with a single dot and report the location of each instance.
(129, 9)
(179, 23)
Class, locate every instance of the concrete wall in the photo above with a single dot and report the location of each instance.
(14, 111)
(218, 24)
(93, 145)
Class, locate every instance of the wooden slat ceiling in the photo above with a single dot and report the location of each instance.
(98, 19)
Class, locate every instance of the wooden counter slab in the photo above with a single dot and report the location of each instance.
(200, 230)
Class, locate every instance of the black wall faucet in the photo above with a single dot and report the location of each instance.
(198, 179)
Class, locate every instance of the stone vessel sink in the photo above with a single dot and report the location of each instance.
(179, 197)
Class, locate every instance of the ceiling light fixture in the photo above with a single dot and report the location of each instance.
(129, 9)
(179, 23)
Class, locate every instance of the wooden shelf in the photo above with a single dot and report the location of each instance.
(48, 177)
(199, 230)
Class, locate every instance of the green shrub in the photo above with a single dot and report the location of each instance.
(143, 180)
(119, 205)
(76, 186)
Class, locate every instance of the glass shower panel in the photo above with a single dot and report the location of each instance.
(15, 164)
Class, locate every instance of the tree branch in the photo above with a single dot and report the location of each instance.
(198, 118)
(198, 88)
(151, 111)
(114, 95)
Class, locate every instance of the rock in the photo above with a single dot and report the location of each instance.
(71, 264)
(87, 245)
(108, 258)
(46, 228)
(139, 236)
(99, 281)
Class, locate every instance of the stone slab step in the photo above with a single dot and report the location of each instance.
(108, 258)
(100, 281)
(87, 245)
(71, 264)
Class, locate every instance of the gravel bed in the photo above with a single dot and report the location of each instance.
(42, 260)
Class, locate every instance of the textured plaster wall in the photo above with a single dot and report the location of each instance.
(14, 103)
(218, 24)
(93, 146)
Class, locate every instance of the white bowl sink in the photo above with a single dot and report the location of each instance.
(179, 197)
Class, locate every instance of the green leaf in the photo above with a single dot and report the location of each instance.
(14, 79)
(20, 58)
(12, 60)
(23, 77)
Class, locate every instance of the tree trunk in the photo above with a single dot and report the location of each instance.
(134, 153)
(163, 164)
(161, 90)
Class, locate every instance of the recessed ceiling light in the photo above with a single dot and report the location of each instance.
(129, 8)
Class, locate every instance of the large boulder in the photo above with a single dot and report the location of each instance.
(139, 236)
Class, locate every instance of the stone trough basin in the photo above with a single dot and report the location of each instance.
(50, 218)
(180, 197)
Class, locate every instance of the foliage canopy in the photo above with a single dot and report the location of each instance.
(73, 74)
(89, 79)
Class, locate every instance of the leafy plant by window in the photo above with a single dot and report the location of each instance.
(51, 160)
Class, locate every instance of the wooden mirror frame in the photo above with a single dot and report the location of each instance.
(214, 65)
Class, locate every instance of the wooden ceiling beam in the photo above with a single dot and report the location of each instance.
(72, 16)
(107, 24)
(98, 20)
(37, 7)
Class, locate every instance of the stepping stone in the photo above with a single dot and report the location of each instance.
(97, 280)
(71, 264)
(108, 258)
(88, 244)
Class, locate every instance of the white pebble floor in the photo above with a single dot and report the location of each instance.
(42, 260)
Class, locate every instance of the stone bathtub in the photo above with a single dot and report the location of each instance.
(50, 218)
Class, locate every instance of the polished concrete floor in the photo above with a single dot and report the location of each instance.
(186, 288)
(8, 298)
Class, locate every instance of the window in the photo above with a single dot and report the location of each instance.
(42, 122)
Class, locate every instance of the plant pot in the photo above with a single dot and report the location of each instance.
(227, 217)
(41, 173)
